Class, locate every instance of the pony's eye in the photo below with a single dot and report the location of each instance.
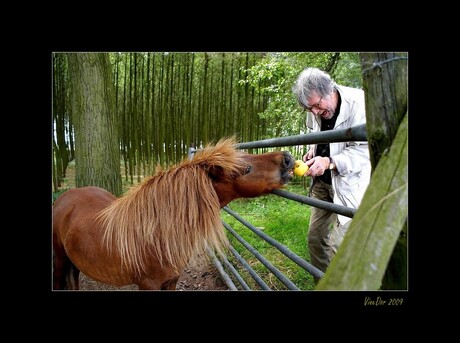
(247, 170)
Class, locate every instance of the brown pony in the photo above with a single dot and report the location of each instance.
(147, 236)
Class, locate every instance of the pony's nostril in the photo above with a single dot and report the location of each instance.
(288, 160)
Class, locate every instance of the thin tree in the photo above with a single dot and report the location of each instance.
(97, 154)
(61, 155)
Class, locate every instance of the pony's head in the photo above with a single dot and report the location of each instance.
(237, 174)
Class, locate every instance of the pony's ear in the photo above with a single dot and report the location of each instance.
(215, 172)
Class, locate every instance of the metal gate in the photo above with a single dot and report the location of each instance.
(225, 267)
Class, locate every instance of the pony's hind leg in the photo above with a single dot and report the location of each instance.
(65, 274)
(59, 270)
(73, 277)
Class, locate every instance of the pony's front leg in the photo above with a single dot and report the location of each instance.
(170, 285)
(155, 285)
(149, 285)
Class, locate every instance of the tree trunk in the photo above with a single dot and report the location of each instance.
(60, 116)
(364, 255)
(373, 254)
(385, 84)
(385, 87)
(97, 154)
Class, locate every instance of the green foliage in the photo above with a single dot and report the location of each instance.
(348, 71)
(275, 75)
(58, 193)
(284, 220)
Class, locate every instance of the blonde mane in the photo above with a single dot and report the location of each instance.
(174, 214)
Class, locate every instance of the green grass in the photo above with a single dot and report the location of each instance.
(284, 220)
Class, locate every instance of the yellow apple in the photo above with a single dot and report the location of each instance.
(300, 168)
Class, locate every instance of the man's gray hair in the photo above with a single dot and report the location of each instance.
(310, 81)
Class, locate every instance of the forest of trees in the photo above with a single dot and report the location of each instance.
(145, 109)
(158, 104)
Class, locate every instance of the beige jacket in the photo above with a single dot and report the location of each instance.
(353, 168)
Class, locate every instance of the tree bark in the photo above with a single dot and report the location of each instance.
(60, 117)
(97, 154)
(385, 88)
(385, 82)
(373, 254)
(364, 255)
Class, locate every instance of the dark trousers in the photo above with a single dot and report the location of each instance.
(321, 224)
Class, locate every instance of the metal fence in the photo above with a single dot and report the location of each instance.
(225, 267)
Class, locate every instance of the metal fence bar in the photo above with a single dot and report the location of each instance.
(236, 275)
(282, 248)
(248, 268)
(343, 210)
(354, 133)
(228, 281)
(288, 283)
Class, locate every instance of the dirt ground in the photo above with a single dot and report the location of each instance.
(196, 277)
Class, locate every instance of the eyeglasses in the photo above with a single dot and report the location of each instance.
(309, 108)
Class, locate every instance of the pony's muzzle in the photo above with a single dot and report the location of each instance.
(287, 167)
